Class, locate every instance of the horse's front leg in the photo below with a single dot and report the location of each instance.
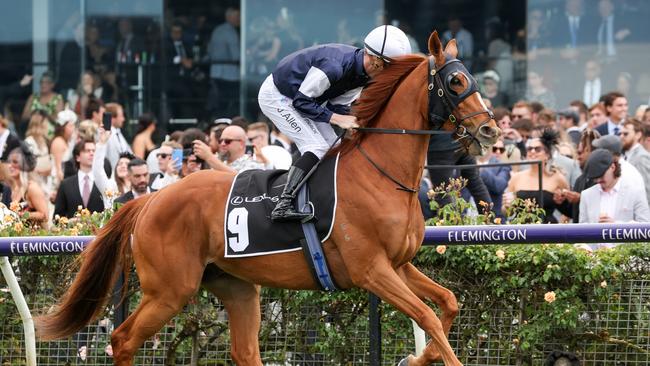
(426, 288)
(382, 280)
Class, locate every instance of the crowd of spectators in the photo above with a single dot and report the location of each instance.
(594, 159)
(59, 166)
(59, 130)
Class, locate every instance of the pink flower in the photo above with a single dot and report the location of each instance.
(441, 249)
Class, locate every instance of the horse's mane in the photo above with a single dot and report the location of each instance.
(376, 94)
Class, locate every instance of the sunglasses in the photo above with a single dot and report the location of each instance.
(499, 150)
(227, 141)
(163, 155)
(535, 148)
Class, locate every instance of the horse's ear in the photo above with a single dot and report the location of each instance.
(435, 48)
(452, 48)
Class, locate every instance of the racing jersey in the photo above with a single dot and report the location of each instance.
(322, 79)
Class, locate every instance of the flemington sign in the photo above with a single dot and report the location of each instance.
(537, 233)
(433, 235)
(43, 245)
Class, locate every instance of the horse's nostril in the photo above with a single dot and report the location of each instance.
(489, 132)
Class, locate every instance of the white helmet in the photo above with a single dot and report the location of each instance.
(387, 42)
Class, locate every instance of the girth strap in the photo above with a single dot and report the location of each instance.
(312, 247)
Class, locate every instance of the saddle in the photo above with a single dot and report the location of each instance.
(248, 228)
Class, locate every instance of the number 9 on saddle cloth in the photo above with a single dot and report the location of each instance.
(248, 228)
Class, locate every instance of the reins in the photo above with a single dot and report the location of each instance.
(394, 131)
(397, 131)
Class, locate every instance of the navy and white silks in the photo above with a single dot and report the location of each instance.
(307, 87)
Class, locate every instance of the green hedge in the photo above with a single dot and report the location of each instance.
(516, 303)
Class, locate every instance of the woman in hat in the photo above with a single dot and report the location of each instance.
(63, 142)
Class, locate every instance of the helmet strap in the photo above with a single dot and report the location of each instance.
(383, 44)
(380, 54)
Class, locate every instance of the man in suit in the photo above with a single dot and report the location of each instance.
(139, 177)
(570, 29)
(634, 152)
(180, 88)
(593, 87)
(616, 108)
(614, 145)
(116, 144)
(129, 51)
(79, 189)
(610, 199)
(611, 31)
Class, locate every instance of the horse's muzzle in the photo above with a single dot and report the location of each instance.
(488, 134)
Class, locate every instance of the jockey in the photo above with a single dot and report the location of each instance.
(313, 88)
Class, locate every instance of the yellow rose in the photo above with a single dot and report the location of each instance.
(441, 249)
(497, 221)
(549, 297)
(74, 231)
(501, 254)
(8, 219)
(18, 226)
(14, 206)
(603, 284)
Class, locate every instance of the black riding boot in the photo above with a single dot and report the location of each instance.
(285, 209)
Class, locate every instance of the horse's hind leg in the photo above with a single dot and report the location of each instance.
(242, 302)
(162, 299)
(383, 281)
(426, 288)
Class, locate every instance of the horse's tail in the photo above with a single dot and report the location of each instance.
(91, 288)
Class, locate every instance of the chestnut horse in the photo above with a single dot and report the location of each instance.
(173, 234)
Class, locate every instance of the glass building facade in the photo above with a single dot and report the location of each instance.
(552, 51)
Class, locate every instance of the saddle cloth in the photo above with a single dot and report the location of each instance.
(248, 228)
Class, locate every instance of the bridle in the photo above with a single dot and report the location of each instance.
(443, 101)
(439, 113)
